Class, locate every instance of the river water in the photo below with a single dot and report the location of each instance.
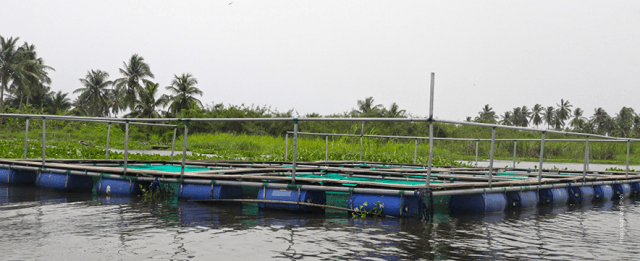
(38, 224)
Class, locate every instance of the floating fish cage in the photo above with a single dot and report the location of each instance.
(349, 186)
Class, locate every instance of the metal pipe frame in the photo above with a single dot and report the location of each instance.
(430, 119)
(493, 143)
(326, 147)
(430, 161)
(515, 147)
(326, 188)
(452, 139)
(26, 139)
(286, 147)
(361, 135)
(44, 139)
(541, 157)
(295, 152)
(173, 143)
(126, 145)
(108, 139)
(184, 149)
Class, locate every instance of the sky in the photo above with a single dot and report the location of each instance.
(324, 56)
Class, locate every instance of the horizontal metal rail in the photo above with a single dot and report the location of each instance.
(59, 117)
(454, 139)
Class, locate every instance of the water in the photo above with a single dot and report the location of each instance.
(51, 225)
(550, 165)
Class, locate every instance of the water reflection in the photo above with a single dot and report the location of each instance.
(45, 224)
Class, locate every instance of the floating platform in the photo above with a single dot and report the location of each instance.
(398, 190)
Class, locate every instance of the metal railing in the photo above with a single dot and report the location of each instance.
(430, 120)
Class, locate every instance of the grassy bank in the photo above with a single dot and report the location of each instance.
(63, 138)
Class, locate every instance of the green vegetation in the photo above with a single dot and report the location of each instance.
(376, 211)
(24, 78)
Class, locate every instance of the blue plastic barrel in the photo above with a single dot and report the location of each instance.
(603, 192)
(581, 194)
(118, 186)
(12, 176)
(522, 199)
(635, 188)
(478, 203)
(316, 197)
(201, 191)
(392, 205)
(621, 191)
(554, 196)
(64, 181)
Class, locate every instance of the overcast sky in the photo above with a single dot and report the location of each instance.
(323, 56)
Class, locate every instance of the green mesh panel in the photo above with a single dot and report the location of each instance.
(167, 168)
(169, 189)
(340, 177)
(250, 192)
(337, 199)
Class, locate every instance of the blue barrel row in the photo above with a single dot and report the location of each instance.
(391, 205)
(492, 202)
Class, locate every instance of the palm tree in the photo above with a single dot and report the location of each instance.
(34, 74)
(182, 93)
(147, 104)
(563, 113)
(394, 111)
(487, 115)
(366, 108)
(624, 122)
(549, 115)
(578, 120)
(516, 117)
(59, 103)
(507, 118)
(95, 93)
(601, 120)
(10, 65)
(134, 76)
(535, 114)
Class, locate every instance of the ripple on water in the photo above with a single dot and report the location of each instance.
(50, 225)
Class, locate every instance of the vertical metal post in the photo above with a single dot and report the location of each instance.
(26, 139)
(430, 162)
(295, 150)
(541, 157)
(588, 154)
(626, 175)
(326, 146)
(477, 153)
(515, 145)
(586, 160)
(173, 143)
(184, 148)
(44, 138)
(415, 152)
(286, 147)
(108, 139)
(361, 134)
(493, 142)
(126, 145)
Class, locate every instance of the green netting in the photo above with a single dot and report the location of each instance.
(167, 168)
(340, 177)
(250, 192)
(337, 199)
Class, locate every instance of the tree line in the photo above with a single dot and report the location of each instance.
(625, 123)
(24, 78)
